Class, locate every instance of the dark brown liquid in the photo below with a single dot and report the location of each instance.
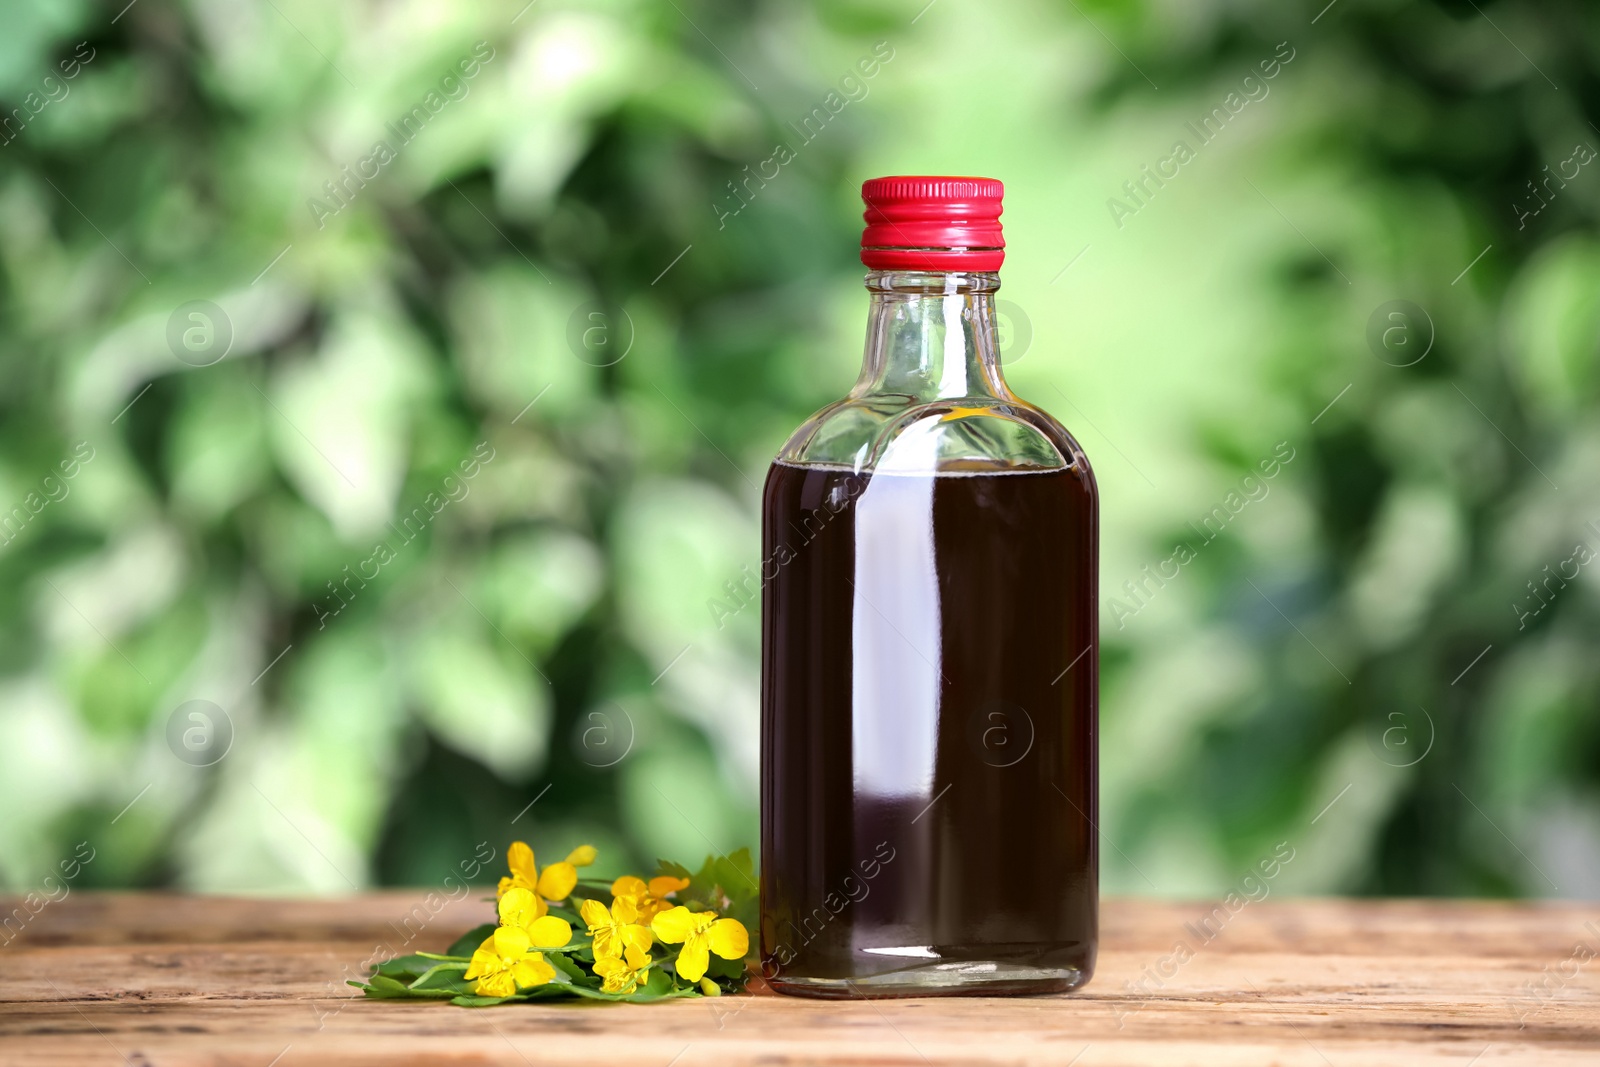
(928, 731)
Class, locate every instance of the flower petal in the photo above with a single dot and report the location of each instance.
(551, 932)
(581, 856)
(623, 975)
(518, 907)
(729, 939)
(498, 984)
(484, 961)
(557, 881)
(629, 886)
(618, 976)
(533, 971)
(510, 942)
(662, 885)
(693, 960)
(674, 925)
(519, 857)
(625, 909)
(636, 938)
(595, 914)
(638, 959)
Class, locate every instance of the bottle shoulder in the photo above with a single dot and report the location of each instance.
(889, 431)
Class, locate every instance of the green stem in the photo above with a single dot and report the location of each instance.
(425, 975)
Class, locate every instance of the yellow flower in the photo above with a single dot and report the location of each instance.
(701, 933)
(506, 962)
(520, 908)
(648, 896)
(554, 882)
(617, 929)
(625, 974)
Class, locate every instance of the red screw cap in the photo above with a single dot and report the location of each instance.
(927, 222)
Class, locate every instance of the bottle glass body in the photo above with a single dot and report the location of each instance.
(929, 673)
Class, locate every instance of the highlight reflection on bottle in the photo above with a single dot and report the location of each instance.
(930, 653)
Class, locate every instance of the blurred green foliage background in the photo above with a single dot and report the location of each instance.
(1357, 664)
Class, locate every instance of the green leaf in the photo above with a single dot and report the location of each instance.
(740, 858)
(382, 987)
(643, 996)
(447, 977)
(543, 992)
(584, 952)
(726, 885)
(726, 969)
(468, 943)
(569, 968)
(472, 1000)
(670, 869)
(553, 991)
(403, 967)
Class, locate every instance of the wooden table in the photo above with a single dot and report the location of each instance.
(154, 979)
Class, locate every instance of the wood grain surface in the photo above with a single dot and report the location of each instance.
(161, 979)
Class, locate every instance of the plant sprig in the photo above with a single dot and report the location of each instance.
(679, 934)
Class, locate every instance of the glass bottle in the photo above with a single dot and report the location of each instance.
(929, 647)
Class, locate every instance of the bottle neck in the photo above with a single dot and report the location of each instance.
(932, 335)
